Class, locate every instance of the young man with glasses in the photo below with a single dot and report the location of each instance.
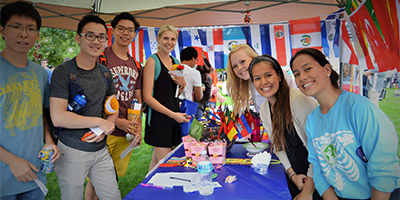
(128, 82)
(24, 93)
(81, 156)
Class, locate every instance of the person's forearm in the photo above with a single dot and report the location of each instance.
(113, 118)
(6, 156)
(72, 120)
(309, 186)
(329, 194)
(378, 195)
(46, 127)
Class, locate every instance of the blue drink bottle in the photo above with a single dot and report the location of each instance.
(77, 104)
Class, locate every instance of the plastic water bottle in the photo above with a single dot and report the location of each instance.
(77, 104)
(205, 173)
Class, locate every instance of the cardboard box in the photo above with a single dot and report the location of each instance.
(187, 142)
(196, 149)
(217, 152)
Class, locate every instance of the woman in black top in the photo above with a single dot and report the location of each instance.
(162, 128)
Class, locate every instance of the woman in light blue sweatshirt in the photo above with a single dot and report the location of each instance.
(352, 144)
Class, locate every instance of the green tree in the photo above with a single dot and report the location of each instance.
(55, 45)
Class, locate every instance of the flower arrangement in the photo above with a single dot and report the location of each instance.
(178, 67)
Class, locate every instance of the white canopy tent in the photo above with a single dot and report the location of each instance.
(65, 14)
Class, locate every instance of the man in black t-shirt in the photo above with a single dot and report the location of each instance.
(83, 157)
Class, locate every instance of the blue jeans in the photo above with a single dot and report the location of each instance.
(35, 194)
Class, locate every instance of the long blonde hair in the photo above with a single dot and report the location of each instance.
(239, 89)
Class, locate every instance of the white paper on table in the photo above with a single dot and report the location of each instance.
(97, 130)
(194, 187)
(163, 179)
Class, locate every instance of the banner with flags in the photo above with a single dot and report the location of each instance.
(135, 49)
(150, 40)
(330, 34)
(212, 43)
(305, 33)
(347, 52)
(384, 57)
(394, 12)
(388, 33)
(280, 43)
(232, 37)
(257, 36)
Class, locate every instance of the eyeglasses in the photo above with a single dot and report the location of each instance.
(20, 29)
(91, 37)
(123, 28)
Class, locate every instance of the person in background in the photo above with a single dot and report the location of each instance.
(85, 156)
(240, 88)
(44, 62)
(129, 87)
(375, 85)
(351, 143)
(207, 84)
(192, 76)
(212, 102)
(163, 118)
(24, 107)
(283, 116)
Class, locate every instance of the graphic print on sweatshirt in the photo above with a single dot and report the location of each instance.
(333, 158)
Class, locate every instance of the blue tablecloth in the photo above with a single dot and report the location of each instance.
(249, 184)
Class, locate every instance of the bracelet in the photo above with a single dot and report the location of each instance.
(291, 176)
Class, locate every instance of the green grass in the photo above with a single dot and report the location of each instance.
(391, 106)
(140, 160)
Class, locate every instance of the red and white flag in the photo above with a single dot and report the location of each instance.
(136, 47)
(109, 36)
(280, 43)
(305, 33)
(383, 57)
(347, 53)
(394, 12)
(387, 28)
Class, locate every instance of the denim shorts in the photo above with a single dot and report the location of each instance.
(35, 194)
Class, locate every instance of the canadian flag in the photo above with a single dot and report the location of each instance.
(305, 33)
(347, 53)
